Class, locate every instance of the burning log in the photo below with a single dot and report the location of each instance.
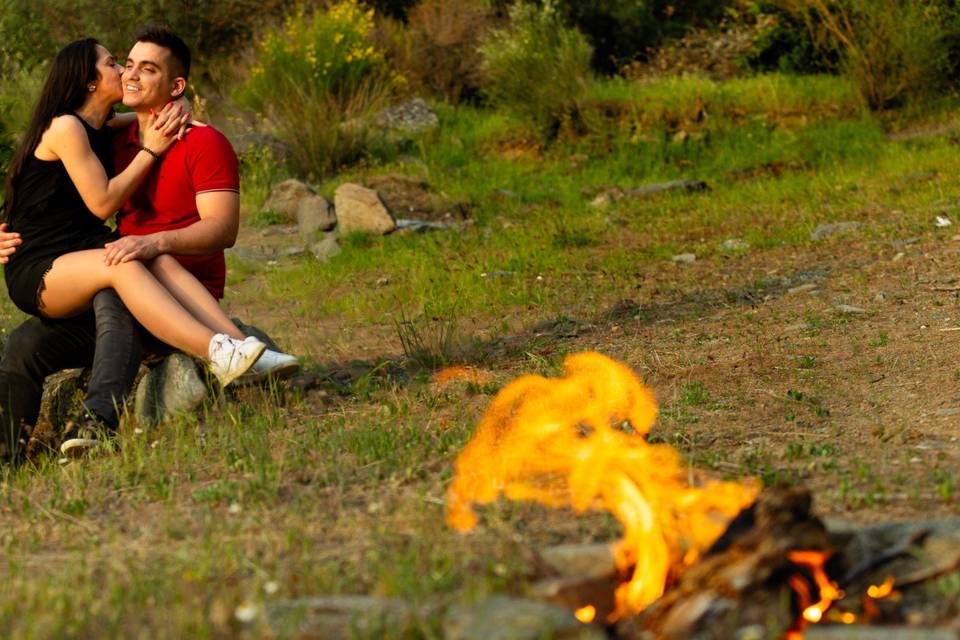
(747, 578)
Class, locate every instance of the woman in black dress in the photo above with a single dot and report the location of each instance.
(59, 194)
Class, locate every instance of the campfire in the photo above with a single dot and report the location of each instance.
(699, 557)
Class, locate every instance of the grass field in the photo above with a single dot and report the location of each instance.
(274, 494)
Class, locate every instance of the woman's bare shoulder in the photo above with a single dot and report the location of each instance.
(64, 132)
(66, 124)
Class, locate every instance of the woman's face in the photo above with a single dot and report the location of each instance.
(108, 84)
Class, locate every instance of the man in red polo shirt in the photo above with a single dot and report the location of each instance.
(189, 206)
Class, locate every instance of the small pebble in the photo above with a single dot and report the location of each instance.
(245, 612)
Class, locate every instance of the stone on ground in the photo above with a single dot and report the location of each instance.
(326, 248)
(833, 228)
(314, 214)
(413, 116)
(285, 198)
(583, 560)
(62, 397)
(344, 616)
(412, 197)
(505, 618)
(361, 209)
(172, 387)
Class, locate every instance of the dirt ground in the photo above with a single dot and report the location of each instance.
(760, 369)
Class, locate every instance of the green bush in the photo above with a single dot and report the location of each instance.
(537, 68)
(32, 31)
(444, 36)
(621, 31)
(315, 82)
(893, 51)
(787, 45)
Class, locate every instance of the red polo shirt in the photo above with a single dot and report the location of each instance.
(202, 162)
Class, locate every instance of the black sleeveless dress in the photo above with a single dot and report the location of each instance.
(52, 220)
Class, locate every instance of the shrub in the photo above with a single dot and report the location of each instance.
(892, 50)
(621, 31)
(444, 37)
(33, 30)
(315, 81)
(787, 45)
(537, 68)
(20, 89)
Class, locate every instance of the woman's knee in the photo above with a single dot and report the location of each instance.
(163, 263)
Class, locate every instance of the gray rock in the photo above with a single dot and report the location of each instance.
(289, 252)
(336, 617)
(684, 258)
(249, 254)
(326, 248)
(602, 201)
(407, 196)
(314, 214)
(584, 560)
(174, 386)
(608, 195)
(847, 309)
(670, 185)
(285, 198)
(504, 618)
(802, 288)
(62, 397)
(833, 228)
(360, 209)
(412, 116)
(420, 226)
(947, 412)
(734, 244)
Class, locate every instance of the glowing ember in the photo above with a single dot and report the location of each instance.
(586, 614)
(464, 374)
(878, 592)
(579, 441)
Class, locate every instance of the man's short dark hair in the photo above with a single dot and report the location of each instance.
(164, 37)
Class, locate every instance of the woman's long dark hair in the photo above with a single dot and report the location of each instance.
(71, 71)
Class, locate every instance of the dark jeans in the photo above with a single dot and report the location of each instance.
(106, 337)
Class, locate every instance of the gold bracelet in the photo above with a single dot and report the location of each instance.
(150, 151)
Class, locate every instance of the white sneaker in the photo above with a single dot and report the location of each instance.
(230, 358)
(272, 364)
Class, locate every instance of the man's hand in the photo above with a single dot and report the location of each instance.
(9, 241)
(130, 248)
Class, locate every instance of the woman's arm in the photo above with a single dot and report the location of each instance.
(67, 140)
(121, 120)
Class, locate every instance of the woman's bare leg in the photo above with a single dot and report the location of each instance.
(194, 297)
(75, 277)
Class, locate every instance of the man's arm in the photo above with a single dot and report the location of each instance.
(216, 230)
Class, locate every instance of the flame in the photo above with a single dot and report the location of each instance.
(579, 441)
(586, 614)
(881, 591)
(812, 612)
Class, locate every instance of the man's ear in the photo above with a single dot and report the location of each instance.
(179, 86)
